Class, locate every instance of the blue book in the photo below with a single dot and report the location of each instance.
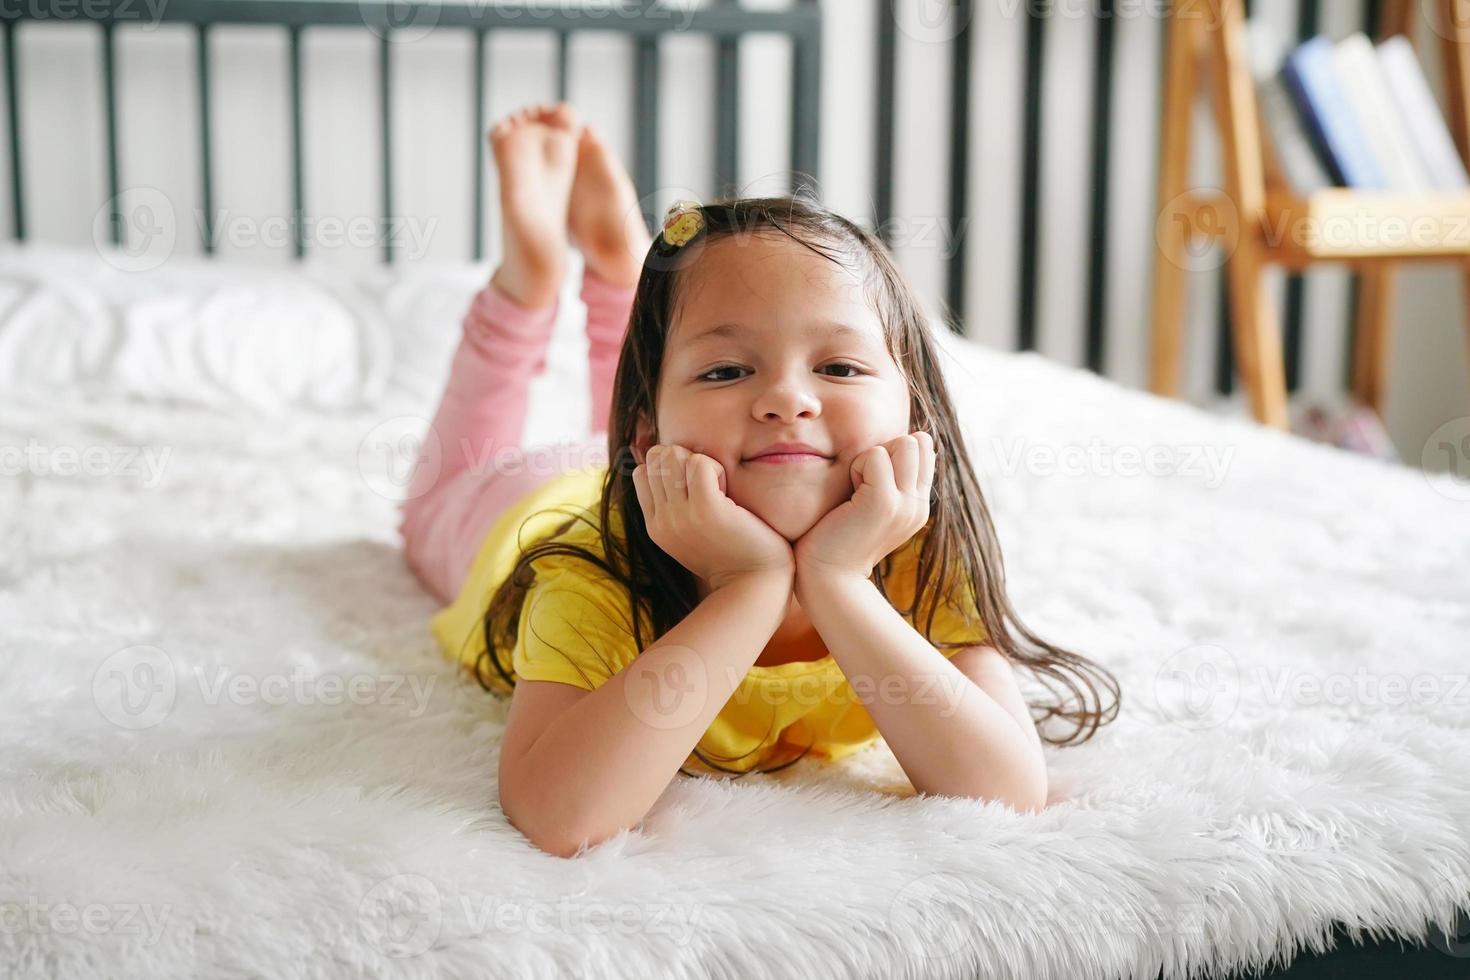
(1328, 115)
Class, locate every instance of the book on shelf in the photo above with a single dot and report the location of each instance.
(1351, 114)
(1328, 114)
(1382, 123)
(1288, 148)
(1420, 114)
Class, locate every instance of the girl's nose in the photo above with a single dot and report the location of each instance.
(785, 401)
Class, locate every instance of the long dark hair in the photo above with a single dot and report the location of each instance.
(960, 546)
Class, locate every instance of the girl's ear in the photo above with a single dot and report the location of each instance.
(643, 438)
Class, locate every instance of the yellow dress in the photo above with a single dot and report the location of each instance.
(575, 629)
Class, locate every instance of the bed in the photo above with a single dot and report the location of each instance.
(231, 747)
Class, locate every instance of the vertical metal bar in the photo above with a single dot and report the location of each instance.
(297, 195)
(1309, 16)
(385, 89)
(645, 96)
(206, 168)
(12, 118)
(887, 84)
(806, 108)
(1372, 18)
(727, 115)
(563, 64)
(1224, 347)
(959, 163)
(1372, 26)
(1102, 110)
(109, 96)
(478, 245)
(1031, 177)
(1224, 342)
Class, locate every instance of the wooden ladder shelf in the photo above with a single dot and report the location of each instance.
(1263, 224)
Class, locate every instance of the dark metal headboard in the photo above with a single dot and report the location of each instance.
(726, 21)
(647, 21)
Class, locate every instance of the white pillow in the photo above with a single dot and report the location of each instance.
(191, 330)
(224, 333)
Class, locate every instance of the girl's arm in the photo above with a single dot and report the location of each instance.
(950, 736)
(578, 766)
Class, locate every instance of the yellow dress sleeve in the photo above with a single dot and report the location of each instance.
(574, 626)
(951, 624)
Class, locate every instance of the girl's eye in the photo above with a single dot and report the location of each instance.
(706, 375)
(729, 367)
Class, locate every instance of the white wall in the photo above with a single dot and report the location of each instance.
(65, 173)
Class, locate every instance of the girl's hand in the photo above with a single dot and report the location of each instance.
(890, 504)
(689, 516)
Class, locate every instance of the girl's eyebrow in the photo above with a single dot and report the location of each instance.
(820, 328)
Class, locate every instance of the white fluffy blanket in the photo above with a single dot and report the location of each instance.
(230, 747)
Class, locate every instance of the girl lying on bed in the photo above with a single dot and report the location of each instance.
(782, 548)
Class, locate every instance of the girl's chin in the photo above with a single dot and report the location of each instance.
(788, 520)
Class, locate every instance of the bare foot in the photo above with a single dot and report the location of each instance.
(536, 155)
(604, 218)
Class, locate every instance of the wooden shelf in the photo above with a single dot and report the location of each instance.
(1264, 225)
(1344, 225)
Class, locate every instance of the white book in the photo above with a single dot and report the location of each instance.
(1381, 120)
(1421, 115)
(1287, 143)
(1296, 160)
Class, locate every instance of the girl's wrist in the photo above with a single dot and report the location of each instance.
(777, 578)
(812, 577)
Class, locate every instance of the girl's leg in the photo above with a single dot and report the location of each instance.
(606, 222)
(468, 470)
(482, 416)
(466, 473)
(607, 322)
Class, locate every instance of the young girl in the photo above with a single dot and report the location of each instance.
(783, 549)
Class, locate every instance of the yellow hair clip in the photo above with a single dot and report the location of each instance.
(682, 222)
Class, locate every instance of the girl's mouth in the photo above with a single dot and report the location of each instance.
(779, 459)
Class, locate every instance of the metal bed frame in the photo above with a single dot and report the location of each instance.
(726, 22)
